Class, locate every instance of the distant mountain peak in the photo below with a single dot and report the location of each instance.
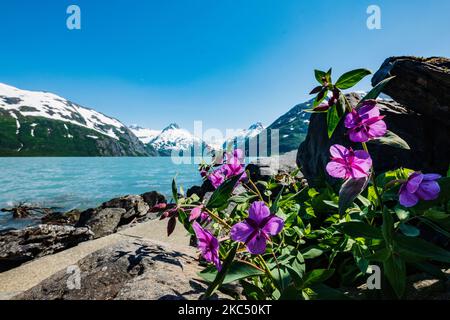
(256, 126)
(171, 126)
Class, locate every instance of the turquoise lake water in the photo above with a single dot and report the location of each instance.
(69, 183)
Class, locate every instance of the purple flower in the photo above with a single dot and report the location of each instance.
(217, 177)
(346, 163)
(257, 228)
(207, 244)
(419, 186)
(233, 167)
(365, 123)
(198, 212)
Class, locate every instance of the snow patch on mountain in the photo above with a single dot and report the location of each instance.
(144, 134)
(245, 134)
(51, 106)
(174, 138)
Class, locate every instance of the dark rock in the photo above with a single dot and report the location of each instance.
(427, 138)
(153, 197)
(61, 218)
(19, 246)
(130, 270)
(134, 205)
(421, 84)
(264, 168)
(200, 191)
(102, 221)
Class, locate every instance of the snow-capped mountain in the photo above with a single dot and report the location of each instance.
(244, 135)
(143, 134)
(173, 138)
(42, 123)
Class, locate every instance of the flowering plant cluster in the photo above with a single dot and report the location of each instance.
(281, 239)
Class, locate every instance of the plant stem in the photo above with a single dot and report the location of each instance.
(255, 187)
(217, 218)
(374, 182)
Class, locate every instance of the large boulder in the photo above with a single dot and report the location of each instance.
(129, 270)
(102, 221)
(152, 198)
(421, 84)
(266, 167)
(134, 206)
(19, 246)
(427, 138)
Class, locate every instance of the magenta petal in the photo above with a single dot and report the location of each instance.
(431, 176)
(408, 199)
(257, 244)
(349, 121)
(369, 110)
(358, 136)
(274, 226)
(258, 211)
(195, 214)
(361, 164)
(377, 129)
(428, 190)
(414, 182)
(336, 169)
(338, 151)
(241, 231)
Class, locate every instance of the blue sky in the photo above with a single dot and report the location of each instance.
(229, 63)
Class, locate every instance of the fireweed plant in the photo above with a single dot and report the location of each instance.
(281, 239)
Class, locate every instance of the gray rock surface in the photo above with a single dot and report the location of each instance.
(422, 84)
(128, 270)
(102, 221)
(134, 206)
(264, 168)
(19, 246)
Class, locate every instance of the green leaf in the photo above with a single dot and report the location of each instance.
(350, 189)
(392, 140)
(375, 92)
(220, 277)
(324, 292)
(220, 197)
(291, 293)
(274, 207)
(252, 292)
(356, 229)
(174, 190)
(395, 271)
(351, 78)
(317, 276)
(238, 271)
(408, 230)
(333, 119)
(380, 255)
(312, 253)
(319, 75)
(421, 248)
(387, 228)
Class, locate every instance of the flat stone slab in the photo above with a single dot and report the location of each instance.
(28, 275)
